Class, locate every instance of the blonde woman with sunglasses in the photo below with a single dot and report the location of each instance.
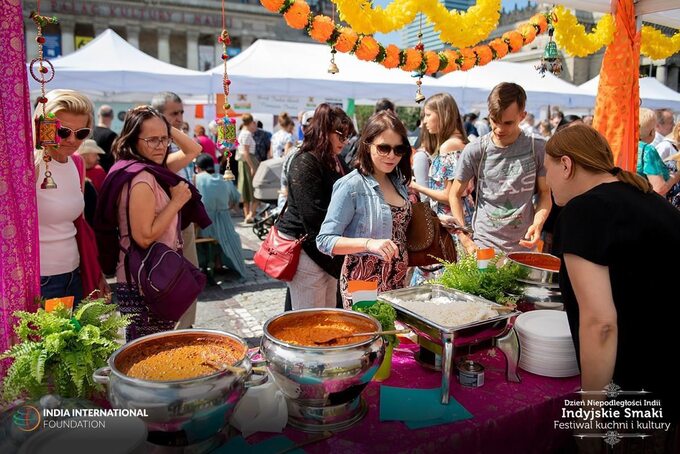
(60, 207)
(369, 209)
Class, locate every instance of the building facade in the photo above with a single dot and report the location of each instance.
(430, 37)
(181, 32)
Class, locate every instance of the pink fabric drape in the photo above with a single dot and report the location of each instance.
(19, 250)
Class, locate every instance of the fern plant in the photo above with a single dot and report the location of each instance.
(58, 352)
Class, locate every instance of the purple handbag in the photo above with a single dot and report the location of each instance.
(167, 281)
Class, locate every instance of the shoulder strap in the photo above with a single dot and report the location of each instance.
(80, 165)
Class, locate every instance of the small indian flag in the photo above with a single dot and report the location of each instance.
(363, 290)
(484, 256)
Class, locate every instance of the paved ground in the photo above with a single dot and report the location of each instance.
(241, 306)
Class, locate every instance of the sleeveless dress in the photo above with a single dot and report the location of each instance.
(390, 275)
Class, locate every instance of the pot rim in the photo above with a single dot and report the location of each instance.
(174, 383)
(277, 341)
(531, 267)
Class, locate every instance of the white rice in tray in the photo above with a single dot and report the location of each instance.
(450, 313)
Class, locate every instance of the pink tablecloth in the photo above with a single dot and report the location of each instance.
(508, 417)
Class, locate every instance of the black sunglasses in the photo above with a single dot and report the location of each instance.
(81, 134)
(384, 149)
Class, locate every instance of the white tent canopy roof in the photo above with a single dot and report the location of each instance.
(109, 65)
(541, 91)
(280, 68)
(662, 12)
(653, 93)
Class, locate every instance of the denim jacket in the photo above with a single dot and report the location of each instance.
(358, 210)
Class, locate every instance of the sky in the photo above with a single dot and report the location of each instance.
(395, 37)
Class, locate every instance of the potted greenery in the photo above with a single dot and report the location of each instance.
(59, 352)
(498, 283)
(386, 315)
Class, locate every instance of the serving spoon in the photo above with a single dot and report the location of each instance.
(334, 339)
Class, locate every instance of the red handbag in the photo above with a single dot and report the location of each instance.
(277, 256)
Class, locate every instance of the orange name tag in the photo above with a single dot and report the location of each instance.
(53, 303)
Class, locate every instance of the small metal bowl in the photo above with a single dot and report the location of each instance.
(537, 276)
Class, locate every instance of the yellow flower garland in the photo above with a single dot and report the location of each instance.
(571, 36)
(658, 46)
(458, 28)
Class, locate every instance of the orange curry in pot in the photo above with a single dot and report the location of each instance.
(543, 261)
(169, 359)
(306, 329)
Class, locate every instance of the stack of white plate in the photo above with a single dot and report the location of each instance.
(547, 347)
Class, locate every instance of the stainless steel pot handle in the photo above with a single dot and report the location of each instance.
(102, 375)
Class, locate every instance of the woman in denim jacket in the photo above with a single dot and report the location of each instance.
(369, 209)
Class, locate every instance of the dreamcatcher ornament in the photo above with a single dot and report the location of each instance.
(226, 127)
(46, 124)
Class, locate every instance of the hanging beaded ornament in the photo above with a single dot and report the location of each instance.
(420, 47)
(550, 61)
(46, 124)
(226, 127)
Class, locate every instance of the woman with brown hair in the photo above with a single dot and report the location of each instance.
(283, 140)
(369, 211)
(616, 285)
(311, 175)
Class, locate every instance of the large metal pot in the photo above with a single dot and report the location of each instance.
(322, 385)
(536, 275)
(181, 412)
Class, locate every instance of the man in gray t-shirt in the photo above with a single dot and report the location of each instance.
(507, 167)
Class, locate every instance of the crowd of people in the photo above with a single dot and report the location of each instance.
(506, 182)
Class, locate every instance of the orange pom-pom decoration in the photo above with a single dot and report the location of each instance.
(540, 21)
(346, 40)
(514, 39)
(297, 15)
(484, 55)
(451, 61)
(528, 31)
(431, 62)
(322, 28)
(391, 57)
(413, 59)
(500, 47)
(469, 59)
(272, 5)
(367, 49)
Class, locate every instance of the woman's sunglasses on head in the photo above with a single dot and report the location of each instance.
(81, 134)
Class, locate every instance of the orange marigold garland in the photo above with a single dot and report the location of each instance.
(297, 14)
(367, 49)
(273, 5)
(412, 59)
(322, 28)
(468, 59)
(514, 39)
(347, 39)
(499, 48)
(391, 57)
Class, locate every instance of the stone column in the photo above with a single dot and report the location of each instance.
(99, 28)
(164, 44)
(218, 53)
(31, 44)
(132, 32)
(192, 50)
(68, 42)
(246, 40)
(673, 76)
(661, 73)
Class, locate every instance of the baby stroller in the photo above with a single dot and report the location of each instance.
(266, 186)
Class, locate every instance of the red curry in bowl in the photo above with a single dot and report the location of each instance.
(306, 328)
(538, 260)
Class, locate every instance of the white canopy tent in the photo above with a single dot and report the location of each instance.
(541, 91)
(653, 93)
(109, 65)
(279, 68)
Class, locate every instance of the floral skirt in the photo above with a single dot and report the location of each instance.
(130, 302)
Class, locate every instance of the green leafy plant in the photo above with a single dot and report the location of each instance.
(58, 352)
(384, 313)
(495, 283)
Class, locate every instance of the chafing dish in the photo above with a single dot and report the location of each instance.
(498, 328)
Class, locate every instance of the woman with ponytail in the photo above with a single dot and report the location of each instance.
(619, 242)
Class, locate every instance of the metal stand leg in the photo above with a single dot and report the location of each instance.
(447, 364)
(508, 343)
